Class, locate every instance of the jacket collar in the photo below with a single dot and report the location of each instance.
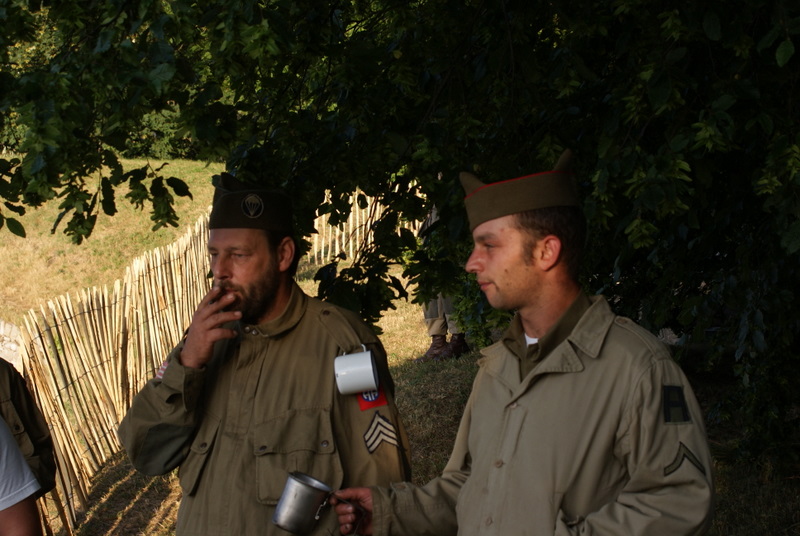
(590, 333)
(585, 341)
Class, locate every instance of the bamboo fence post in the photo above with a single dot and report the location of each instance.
(349, 225)
(79, 401)
(38, 338)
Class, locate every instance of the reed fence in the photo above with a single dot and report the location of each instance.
(86, 356)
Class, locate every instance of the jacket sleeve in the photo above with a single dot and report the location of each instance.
(160, 424)
(429, 510)
(371, 441)
(664, 447)
(370, 436)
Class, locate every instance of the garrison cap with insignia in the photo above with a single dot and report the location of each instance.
(554, 188)
(245, 206)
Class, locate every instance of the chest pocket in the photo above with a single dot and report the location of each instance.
(192, 467)
(299, 440)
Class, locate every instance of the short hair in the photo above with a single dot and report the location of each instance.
(568, 223)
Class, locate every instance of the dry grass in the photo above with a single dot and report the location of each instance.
(128, 503)
(44, 265)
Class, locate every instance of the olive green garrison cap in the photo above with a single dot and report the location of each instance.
(554, 188)
(246, 206)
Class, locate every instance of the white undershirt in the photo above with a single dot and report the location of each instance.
(531, 340)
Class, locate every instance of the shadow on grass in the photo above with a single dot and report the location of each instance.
(124, 501)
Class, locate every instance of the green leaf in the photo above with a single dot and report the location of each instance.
(659, 89)
(769, 38)
(785, 52)
(679, 142)
(790, 241)
(160, 75)
(103, 43)
(711, 26)
(675, 55)
(767, 125)
(724, 102)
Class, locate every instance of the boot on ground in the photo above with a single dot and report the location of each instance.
(458, 345)
(438, 347)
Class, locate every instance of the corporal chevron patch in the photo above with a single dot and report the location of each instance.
(684, 454)
(381, 430)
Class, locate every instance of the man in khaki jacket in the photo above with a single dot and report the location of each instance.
(250, 394)
(579, 422)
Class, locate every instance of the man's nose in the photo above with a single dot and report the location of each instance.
(472, 265)
(220, 267)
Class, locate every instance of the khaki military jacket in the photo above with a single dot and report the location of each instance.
(27, 424)
(267, 404)
(603, 437)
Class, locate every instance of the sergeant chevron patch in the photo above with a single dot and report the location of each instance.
(380, 430)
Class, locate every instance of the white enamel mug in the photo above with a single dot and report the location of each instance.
(356, 373)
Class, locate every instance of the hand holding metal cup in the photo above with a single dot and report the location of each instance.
(301, 503)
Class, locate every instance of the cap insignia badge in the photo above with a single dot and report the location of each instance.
(252, 206)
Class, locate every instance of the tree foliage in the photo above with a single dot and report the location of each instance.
(683, 116)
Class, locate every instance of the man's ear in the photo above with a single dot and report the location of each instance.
(285, 253)
(548, 252)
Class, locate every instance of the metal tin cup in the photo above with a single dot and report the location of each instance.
(301, 503)
(356, 373)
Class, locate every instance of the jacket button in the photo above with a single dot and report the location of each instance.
(262, 449)
(325, 443)
(499, 463)
(326, 312)
(489, 521)
(203, 445)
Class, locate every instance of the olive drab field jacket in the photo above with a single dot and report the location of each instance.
(27, 424)
(266, 405)
(603, 437)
